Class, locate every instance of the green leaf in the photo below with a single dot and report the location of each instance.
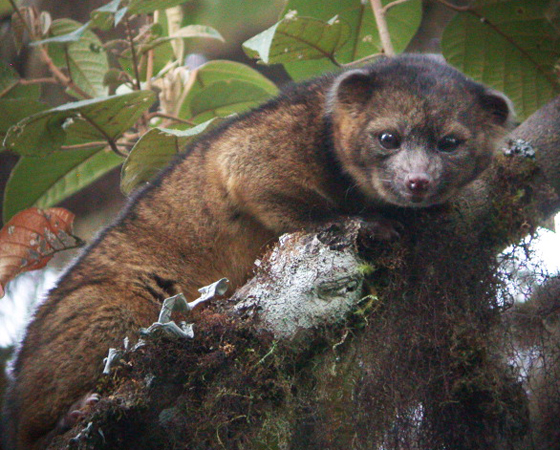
(10, 87)
(85, 58)
(154, 151)
(45, 182)
(163, 53)
(73, 36)
(223, 98)
(403, 20)
(513, 50)
(45, 22)
(298, 38)
(78, 122)
(28, 91)
(228, 87)
(190, 31)
(108, 16)
(149, 6)
(197, 31)
(8, 78)
(14, 110)
(220, 70)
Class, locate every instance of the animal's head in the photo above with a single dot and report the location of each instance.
(412, 130)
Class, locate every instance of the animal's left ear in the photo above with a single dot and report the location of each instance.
(351, 89)
(500, 107)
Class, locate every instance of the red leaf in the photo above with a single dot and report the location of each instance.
(31, 238)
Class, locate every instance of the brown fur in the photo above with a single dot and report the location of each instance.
(311, 154)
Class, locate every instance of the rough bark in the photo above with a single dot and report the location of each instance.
(342, 341)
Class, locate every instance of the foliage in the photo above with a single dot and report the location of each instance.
(514, 49)
(34, 236)
(310, 38)
(363, 40)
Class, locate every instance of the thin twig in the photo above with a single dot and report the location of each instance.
(67, 60)
(170, 117)
(59, 75)
(150, 69)
(128, 136)
(382, 28)
(56, 72)
(87, 145)
(133, 53)
(8, 89)
(113, 43)
(127, 145)
(388, 6)
(143, 32)
(150, 63)
(142, 123)
(49, 80)
(454, 7)
(108, 138)
(363, 60)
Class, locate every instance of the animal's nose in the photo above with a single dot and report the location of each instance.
(418, 183)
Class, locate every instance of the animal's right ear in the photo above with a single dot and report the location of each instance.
(351, 89)
(500, 107)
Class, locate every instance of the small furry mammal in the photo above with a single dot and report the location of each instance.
(408, 131)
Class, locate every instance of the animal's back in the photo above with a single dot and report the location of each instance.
(178, 235)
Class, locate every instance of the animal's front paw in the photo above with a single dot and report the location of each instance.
(379, 229)
(358, 232)
(77, 411)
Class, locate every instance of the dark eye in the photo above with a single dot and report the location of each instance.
(449, 143)
(389, 140)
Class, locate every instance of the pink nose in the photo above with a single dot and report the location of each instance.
(417, 183)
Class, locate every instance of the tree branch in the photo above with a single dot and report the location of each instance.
(55, 71)
(110, 141)
(454, 7)
(362, 60)
(133, 54)
(170, 117)
(380, 19)
(150, 62)
(50, 80)
(59, 75)
(339, 331)
(87, 145)
(388, 6)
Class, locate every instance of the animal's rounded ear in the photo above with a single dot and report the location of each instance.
(350, 89)
(500, 107)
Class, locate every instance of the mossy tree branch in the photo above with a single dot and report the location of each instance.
(416, 357)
